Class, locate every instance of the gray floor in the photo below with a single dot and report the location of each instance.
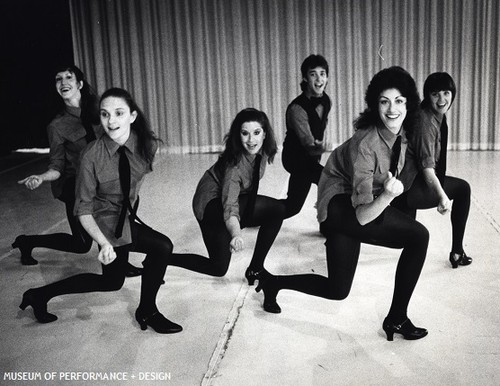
(228, 339)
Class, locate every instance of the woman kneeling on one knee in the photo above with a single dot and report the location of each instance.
(357, 184)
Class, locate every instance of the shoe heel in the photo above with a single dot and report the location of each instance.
(390, 335)
(144, 325)
(23, 304)
(251, 280)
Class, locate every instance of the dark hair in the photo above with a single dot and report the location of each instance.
(311, 62)
(90, 112)
(146, 137)
(392, 77)
(438, 81)
(233, 146)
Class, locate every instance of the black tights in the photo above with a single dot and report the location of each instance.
(344, 234)
(157, 247)
(78, 241)
(299, 183)
(268, 214)
(420, 197)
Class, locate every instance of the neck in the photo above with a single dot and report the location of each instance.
(73, 102)
(121, 140)
(310, 94)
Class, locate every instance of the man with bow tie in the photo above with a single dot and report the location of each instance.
(306, 120)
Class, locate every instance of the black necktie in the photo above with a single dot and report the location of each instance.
(441, 165)
(255, 187)
(90, 134)
(124, 170)
(396, 151)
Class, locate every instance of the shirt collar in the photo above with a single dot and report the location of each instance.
(389, 137)
(72, 110)
(113, 147)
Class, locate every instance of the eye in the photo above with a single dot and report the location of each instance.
(104, 114)
(400, 101)
(119, 113)
(244, 133)
(383, 102)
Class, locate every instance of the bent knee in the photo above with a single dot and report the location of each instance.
(220, 270)
(337, 292)
(116, 283)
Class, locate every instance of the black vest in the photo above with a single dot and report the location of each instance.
(316, 124)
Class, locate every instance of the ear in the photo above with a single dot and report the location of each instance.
(80, 85)
(133, 116)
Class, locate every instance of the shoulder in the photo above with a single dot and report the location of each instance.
(91, 151)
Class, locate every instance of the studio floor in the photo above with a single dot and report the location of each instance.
(228, 339)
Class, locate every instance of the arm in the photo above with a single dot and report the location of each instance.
(35, 180)
(106, 254)
(298, 121)
(366, 213)
(57, 159)
(434, 185)
(230, 203)
(234, 229)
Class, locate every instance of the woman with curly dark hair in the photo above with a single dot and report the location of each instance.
(226, 199)
(355, 190)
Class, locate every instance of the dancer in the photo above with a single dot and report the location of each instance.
(111, 172)
(75, 125)
(306, 119)
(432, 187)
(356, 187)
(226, 199)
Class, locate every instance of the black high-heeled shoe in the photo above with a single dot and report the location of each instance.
(39, 307)
(26, 258)
(157, 322)
(457, 259)
(405, 328)
(252, 275)
(270, 292)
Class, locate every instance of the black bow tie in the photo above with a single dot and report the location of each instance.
(316, 101)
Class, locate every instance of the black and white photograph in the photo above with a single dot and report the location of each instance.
(250, 192)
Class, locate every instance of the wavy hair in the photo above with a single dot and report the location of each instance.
(146, 137)
(392, 77)
(234, 148)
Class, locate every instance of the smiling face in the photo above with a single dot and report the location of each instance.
(252, 137)
(316, 79)
(392, 109)
(68, 87)
(116, 118)
(440, 101)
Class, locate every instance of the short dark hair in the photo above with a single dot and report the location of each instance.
(234, 148)
(312, 61)
(392, 77)
(438, 81)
